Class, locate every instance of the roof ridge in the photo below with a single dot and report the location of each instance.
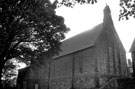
(84, 32)
(81, 41)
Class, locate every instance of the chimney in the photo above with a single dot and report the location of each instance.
(107, 16)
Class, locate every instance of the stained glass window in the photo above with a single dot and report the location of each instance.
(110, 52)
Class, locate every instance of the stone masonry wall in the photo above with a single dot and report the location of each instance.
(76, 69)
(91, 67)
(133, 59)
(111, 59)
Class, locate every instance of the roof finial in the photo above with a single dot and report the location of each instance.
(107, 14)
(107, 9)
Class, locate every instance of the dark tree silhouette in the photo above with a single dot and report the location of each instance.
(28, 29)
(128, 9)
(10, 73)
(127, 6)
(71, 3)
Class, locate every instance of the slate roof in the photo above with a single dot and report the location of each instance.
(81, 41)
(132, 49)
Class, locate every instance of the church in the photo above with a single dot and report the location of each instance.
(87, 61)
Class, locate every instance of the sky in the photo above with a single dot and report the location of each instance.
(84, 17)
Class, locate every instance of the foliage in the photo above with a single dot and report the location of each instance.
(128, 9)
(28, 29)
(127, 6)
(10, 72)
(71, 3)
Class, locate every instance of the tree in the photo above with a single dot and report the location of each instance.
(10, 73)
(127, 6)
(128, 9)
(71, 3)
(29, 29)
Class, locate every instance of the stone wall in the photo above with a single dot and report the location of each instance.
(35, 75)
(91, 67)
(133, 59)
(77, 69)
(88, 68)
(111, 56)
(110, 44)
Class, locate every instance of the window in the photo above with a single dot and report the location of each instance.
(116, 61)
(119, 62)
(110, 58)
(80, 66)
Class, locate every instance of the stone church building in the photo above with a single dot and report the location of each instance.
(87, 60)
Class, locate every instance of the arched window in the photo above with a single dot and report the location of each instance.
(80, 65)
(110, 60)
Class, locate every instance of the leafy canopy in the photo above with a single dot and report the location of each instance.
(128, 9)
(72, 3)
(127, 6)
(29, 28)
